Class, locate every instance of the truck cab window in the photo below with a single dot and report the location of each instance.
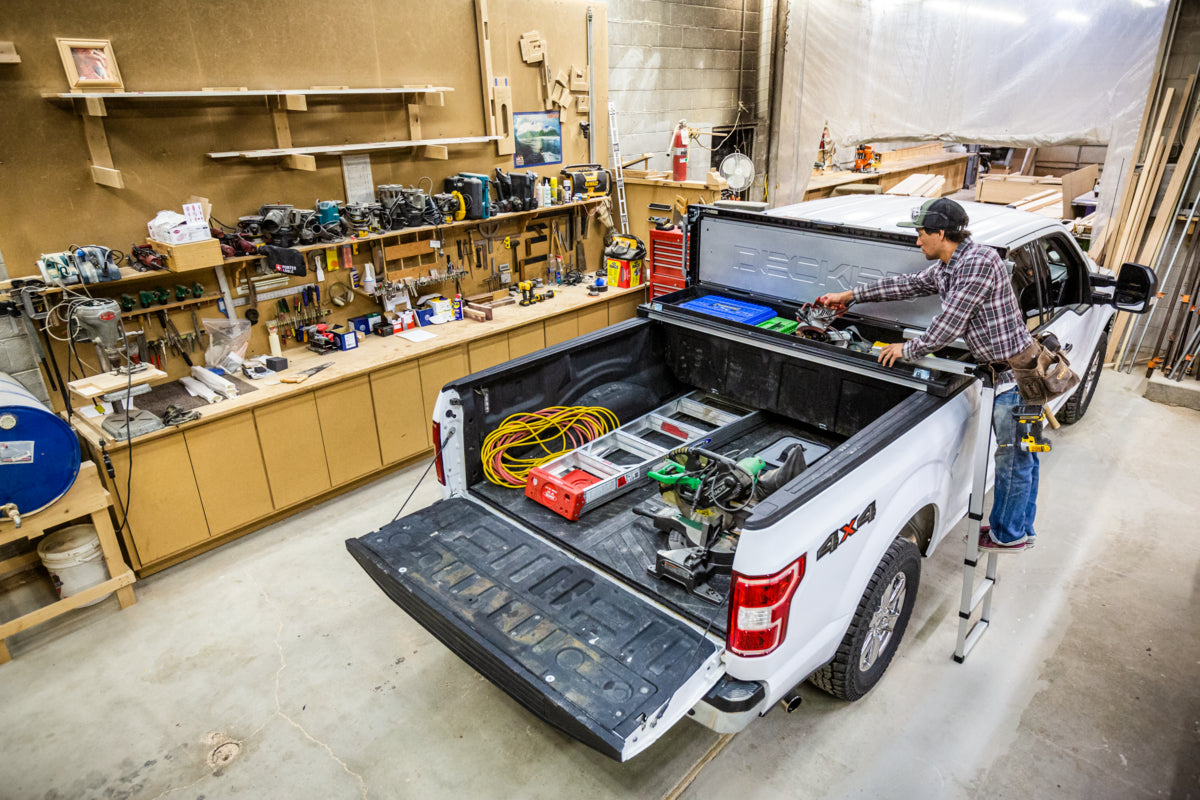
(1066, 275)
(1029, 282)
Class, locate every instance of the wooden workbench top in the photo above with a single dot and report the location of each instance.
(371, 354)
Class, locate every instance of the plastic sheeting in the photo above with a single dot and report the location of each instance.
(1020, 73)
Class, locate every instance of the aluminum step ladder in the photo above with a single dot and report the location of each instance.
(617, 170)
(614, 463)
(977, 596)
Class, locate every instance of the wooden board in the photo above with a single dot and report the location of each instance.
(93, 386)
(1076, 183)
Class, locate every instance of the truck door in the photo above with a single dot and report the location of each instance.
(601, 663)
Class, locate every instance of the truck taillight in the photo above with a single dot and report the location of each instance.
(437, 453)
(758, 611)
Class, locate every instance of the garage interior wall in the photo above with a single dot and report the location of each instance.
(683, 59)
(972, 72)
(50, 201)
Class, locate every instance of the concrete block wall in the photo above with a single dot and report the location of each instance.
(678, 59)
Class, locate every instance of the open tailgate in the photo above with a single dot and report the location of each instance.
(587, 655)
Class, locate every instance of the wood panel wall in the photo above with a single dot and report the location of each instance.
(49, 201)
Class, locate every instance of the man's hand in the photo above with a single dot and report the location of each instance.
(891, 353)
(837, 300)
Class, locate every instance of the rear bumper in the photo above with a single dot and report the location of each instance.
(731, 705)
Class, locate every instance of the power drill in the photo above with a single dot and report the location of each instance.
(1029, 425)
(526, 288)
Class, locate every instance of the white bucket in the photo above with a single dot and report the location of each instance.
(74, 560)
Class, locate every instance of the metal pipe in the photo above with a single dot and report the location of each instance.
(591, 90)
(1185, 272)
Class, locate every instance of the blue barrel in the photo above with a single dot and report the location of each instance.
(39, 453)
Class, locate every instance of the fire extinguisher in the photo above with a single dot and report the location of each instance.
(679, 152)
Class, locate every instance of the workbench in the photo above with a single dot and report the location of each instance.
(86, 500)
(255, 459)
(951, 165)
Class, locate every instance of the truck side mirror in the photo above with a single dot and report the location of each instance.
(1132, 290)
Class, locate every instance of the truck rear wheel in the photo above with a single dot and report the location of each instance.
(877, 627)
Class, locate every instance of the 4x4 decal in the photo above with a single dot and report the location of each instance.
(846, 531)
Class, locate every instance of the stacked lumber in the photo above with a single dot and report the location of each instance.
(1048, 199)
(904, 153)
(1005, 190)
(921, 184)
(1125, 237)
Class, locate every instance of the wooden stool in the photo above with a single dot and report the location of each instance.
(87, 497)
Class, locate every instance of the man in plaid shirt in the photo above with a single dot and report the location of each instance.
(978, 304)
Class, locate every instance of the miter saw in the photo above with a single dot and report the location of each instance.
(704, 499)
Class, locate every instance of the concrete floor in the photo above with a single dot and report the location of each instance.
(275, 668)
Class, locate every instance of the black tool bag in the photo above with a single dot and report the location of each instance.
(1042, 371)
(284, 259)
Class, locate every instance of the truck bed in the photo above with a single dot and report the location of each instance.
(624, 544)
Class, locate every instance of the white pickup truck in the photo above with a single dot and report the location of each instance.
(613, 627)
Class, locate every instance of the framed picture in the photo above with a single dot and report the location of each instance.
(538, 136)
(90, 64)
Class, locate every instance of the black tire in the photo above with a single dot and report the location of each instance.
(1077, 404)
(845, 676)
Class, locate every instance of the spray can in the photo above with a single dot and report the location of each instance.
(457, 305)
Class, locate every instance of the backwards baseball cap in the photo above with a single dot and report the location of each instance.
(937, 215)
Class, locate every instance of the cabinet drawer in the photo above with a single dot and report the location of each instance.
(525, 340)
(293, 453)
(229, 470)
(348, 428)
(488, 352)
(165, 511)
(593, 318)
(561, 328)
(439, 369)
(399, 412)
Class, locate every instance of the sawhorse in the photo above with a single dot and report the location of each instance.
(87, 498)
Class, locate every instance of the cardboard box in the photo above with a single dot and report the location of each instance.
(191, 256)
(624, 274)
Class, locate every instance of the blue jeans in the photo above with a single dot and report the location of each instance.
(1014, 498)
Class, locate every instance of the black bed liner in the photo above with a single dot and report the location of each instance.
(624, 544)
(588, 657)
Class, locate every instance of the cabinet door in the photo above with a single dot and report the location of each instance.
(488, 352)
(439, 369)
(624, 307)
(561, 328)
(526, 339)
(593, 318)
(165, 512)
(229, 471)
(348, 428)
(293, 453)
(399, 412)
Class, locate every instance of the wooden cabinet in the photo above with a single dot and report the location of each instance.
(165, 512)
(400, 418)
(560, 328)
(290, 437)
(526, 339)
(230, 475)
(437, 370)
(625, 307)
(592, 318)
(347, 417)
(488, 352)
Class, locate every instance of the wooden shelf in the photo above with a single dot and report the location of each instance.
(343, 149)
(195, 301)
(466, 223)
(200, 93)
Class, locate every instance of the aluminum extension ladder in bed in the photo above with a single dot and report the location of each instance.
(613, 463)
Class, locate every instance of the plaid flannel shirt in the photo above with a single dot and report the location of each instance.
(978, 304)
